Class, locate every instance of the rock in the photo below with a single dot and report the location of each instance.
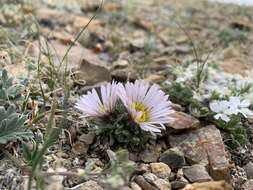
(162, 184)
(149, 177)
(144, 184)
(213, 185)
(179, 184)
(87, 138)
(150, 155)
(91, 185)
(143, 168)
(79, 148)
(173, 157)
(182, 121)
(135, 186)
(248, 185)
(92, 70)
(120, 64)
(155, 78)
(123, 75)
(160, 169)
(249, 170)
(86, 65)
(196, 173)
(205, 146)
(137, 43)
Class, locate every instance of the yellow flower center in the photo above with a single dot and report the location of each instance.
(143, 117)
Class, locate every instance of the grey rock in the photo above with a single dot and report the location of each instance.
(196, 173)
(249, 170)
(173, 157)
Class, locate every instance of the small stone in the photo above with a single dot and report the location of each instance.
(135, 186)
(155, 78)
(172, 176)
(212, 185)
(179, 184)
(248, 185)
(144, 184)
(180, 173)
(182, 121)
(143, 168)
(160, 169)
(120, 64)
(196, 173)
(162, 184)
(80, 148)
(87, 138)
(149, 177)
(149, 155)
(249, 170)
(173, 157)
(91, 185)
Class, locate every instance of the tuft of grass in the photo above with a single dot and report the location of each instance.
(229, 35)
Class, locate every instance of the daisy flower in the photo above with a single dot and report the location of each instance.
(93, 106)
(148, 106)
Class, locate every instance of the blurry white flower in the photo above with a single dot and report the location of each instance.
(239, 106)
(93, 106)
(221, 108)
(148, 105)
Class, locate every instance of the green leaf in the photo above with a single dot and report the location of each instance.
(12, 126)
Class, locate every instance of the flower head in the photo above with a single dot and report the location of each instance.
(240, 106)
(148, 105)
(94, 106)
(221, 108)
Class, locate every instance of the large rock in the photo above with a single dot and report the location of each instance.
(196, 173)
(249, 170)
(205, 146)
(173, 157)
(182, 121)
(214, 185)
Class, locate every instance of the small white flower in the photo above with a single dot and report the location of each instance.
(239, 106)
(221, 108)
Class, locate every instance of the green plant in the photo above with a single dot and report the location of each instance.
(235, 128)
(180, 93)
(119, 130)
(8, 90)
(232, 34)
(12, 126)
(119, 169)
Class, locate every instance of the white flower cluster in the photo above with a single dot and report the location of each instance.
(217, 81)
(224, 109)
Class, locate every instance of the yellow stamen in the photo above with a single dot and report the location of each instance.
(142, 109)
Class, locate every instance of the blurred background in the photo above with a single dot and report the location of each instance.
(145, 34)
